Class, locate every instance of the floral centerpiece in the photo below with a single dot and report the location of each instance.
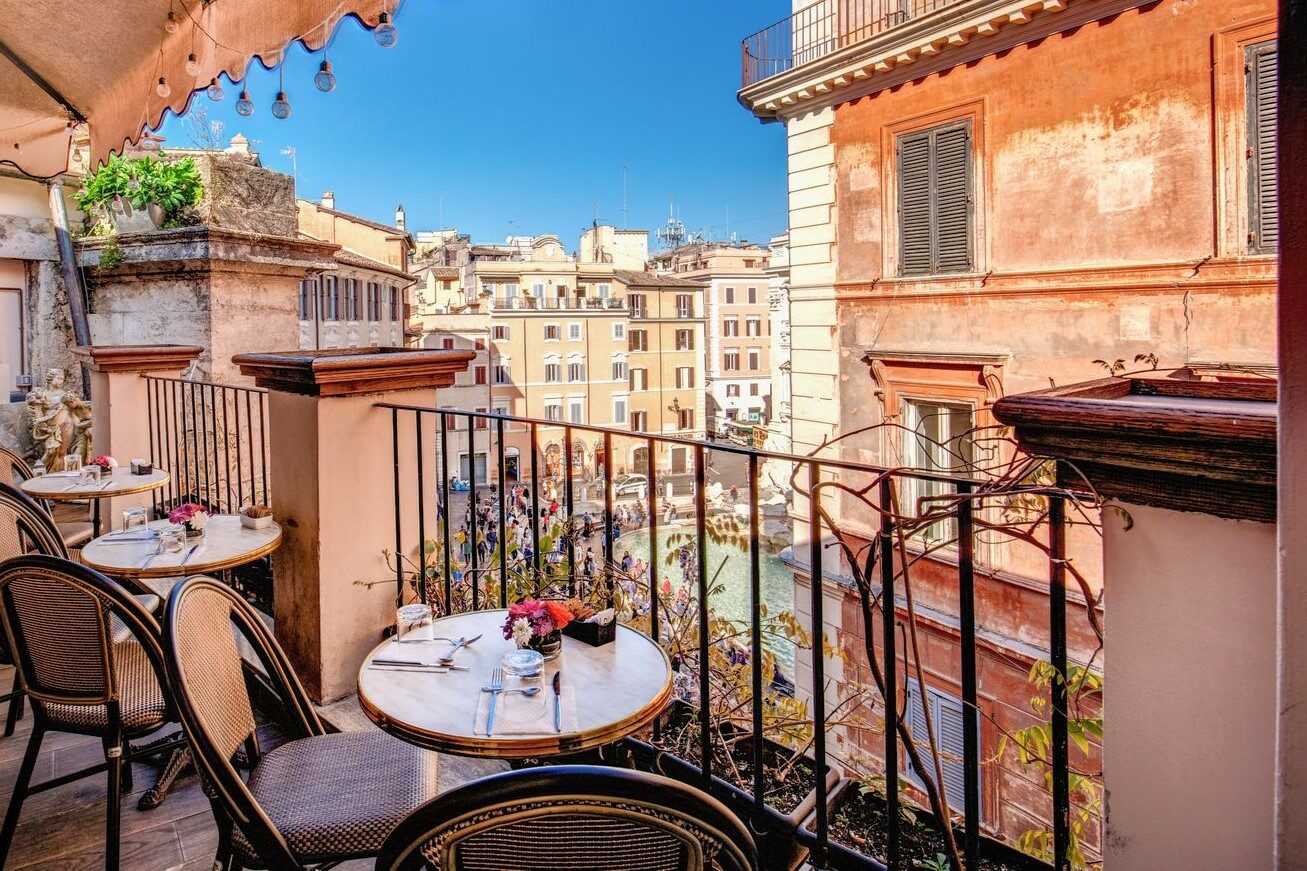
(538, 625)
(191, 516)
(106, 463)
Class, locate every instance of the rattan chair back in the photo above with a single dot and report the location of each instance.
(571, 818)
(204, 622)
(14, 470)
(59, 624)
(25, 527)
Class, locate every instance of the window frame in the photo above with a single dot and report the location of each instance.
(974, 181)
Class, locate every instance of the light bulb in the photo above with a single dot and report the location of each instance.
(215, 90)
(192, 65)
(385, 34)
(162, 88)
(281, 106)
(325, 80)
(244, 105)
(172, 25)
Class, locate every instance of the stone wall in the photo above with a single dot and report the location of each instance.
(239, 195)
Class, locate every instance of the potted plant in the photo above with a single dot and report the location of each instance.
(142, 194)
(256, 516)
(193, 518)
(106, 463)
(538, 625)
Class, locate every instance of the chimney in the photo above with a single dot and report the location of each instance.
(328, 199)
(239, 146)
(399, 216)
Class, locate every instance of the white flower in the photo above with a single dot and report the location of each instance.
(521, 632)
(198, 520)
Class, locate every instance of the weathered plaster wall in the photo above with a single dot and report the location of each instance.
(241, 196)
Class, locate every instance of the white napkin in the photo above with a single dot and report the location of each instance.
(517, 714)
(415, 652)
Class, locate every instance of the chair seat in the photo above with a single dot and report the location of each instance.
(140, 699)
(339, 796)
(76, 533)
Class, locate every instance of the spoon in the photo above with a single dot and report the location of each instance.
(528, 691)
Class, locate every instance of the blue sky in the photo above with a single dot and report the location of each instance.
(518, 115)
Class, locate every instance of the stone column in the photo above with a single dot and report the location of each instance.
(1189, 705)
(332, 481)
(120, 420)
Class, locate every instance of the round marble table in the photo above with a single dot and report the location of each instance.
(615, 690)
(63, 487)
(226, 544)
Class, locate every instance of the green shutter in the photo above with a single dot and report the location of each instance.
(1263, 195)
(935, 214)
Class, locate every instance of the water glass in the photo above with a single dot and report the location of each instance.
(413, 623)
(135, 517)
(88, 475)
(72, 462)
(172, 539)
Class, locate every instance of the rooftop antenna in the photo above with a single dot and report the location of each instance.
(673, 234)
(626, 204)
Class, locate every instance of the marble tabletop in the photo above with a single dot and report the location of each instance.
(224, 545)
(66, 486)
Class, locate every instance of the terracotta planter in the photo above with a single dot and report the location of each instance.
(840, 857)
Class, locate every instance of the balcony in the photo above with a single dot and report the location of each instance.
(559, 303)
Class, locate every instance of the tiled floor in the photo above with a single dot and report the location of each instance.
(64, 827)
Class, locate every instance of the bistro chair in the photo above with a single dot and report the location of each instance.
(14, 470)
(318, 798)
(571, 818)
(88, 656)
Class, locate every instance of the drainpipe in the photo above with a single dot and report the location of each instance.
(71, 276)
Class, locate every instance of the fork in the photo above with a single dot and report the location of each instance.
(495, 688)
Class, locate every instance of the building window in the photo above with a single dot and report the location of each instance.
(447, 343)
(331, 299)
(619, 369)
(639, 379)
(936, 438)
(755, 359)
(947, 714)
(685, 340)
(538, 290)
(576, 411)
(731, 327)
(551, 332)
(639, 340)
(753, 327)
(751, 295)
(499, 333)
(619, 331)
(684, 305)
(639, 421)
(351, 299)
(374, 302)
(393, 294)
(619, 409)
(574, 332)
(553, 372)
(935, 193)
(685, 377)
(755, 389)
(731, 361)
(553, 411)
(1263, 193)
(685, 418)
(510, 293)
(732, 390)
(575, 371)
(479, 375)
(481, 422)
(729, 296)
(451, 422)
(605, 290)
(637, 303)
(480, 344)
(503, 372)
(748, 264)
(308, 291)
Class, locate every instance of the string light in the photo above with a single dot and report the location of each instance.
(192, 65)
(172, 25)
(325, 80)
(215, 90)
(385, 34)
(244, 105)
(281, 106)
(162, 88)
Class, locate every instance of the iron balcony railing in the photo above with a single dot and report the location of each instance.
(457, 551)
(821, 29)
(559, 303)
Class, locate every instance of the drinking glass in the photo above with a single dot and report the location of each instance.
(88, 474)
(135, 517)
(172, 539)
(413, 623)
(72, 462)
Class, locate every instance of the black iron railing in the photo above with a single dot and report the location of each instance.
(441, 527)
(213, 438)
(821, 29)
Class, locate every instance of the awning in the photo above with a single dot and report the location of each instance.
(62, 62)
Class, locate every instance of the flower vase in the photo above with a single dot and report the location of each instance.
(548, 646)
(193, 532)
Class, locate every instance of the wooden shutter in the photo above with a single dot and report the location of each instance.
(1263, 194)
(947, 712)
(935, 214)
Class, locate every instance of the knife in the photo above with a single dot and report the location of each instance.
(188, 554)
(558, 701)
(412, 663)
(453, 651)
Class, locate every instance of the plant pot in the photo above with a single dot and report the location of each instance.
(256, 522)
(549, 646)
(843, 857)
(128, 219)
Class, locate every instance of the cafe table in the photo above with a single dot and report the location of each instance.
(68, 487)
(608, 692)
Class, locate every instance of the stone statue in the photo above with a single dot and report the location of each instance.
(61, 422)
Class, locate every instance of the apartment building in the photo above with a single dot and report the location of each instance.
(956, 236)
(737, 349)
(779, 437)
(665, 337)
(366, 301)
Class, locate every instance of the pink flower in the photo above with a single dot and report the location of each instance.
(185, 512)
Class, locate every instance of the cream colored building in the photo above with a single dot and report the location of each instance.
(366, 302)
(737, 353)
(666, 364)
